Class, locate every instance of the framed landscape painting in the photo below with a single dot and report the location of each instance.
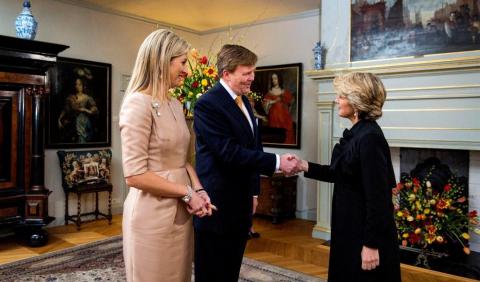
(277, 104)
(382, 29)
(78, 108)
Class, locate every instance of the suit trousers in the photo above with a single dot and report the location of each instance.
(218, 257)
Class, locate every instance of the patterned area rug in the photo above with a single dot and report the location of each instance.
(103, 261)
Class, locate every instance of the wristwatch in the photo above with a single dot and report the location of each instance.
(188, 197)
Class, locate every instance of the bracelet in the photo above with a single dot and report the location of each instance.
(199, 190)
(189, 194)
(255, 196)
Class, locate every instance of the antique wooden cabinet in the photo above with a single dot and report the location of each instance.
(278, 197)
(24, 66)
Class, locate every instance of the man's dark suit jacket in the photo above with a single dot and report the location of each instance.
(229, 160)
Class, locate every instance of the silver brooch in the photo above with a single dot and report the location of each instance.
(155, 106)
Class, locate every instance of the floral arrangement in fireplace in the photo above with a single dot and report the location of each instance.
(429, 217)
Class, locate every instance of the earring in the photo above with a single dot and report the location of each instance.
(355, 114)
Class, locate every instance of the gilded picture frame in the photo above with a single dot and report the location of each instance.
(278, 104)
(390, 29)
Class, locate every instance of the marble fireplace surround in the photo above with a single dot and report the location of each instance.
(432, 104)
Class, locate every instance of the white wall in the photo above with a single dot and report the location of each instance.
(93, 36)
(276, 43)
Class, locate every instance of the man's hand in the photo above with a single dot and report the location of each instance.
(289, 164)
(370, 258)
(255, 204)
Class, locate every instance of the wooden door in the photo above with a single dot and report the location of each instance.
(8, 139)
(12, 195)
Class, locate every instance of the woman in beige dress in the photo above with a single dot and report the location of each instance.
(157, 225)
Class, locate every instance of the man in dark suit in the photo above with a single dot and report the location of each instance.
(229, 161)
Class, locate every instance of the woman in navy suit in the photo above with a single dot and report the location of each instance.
(364, 243)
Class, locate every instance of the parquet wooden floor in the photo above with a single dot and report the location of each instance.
(287, 245)
(290, 245)
(60, 237)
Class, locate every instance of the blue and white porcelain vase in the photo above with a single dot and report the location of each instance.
(318, 53)
(25, 24)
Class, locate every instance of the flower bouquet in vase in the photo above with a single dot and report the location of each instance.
(202, 75)
(432, 216)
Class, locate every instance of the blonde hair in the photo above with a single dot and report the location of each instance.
(152, 66)
(364, 91)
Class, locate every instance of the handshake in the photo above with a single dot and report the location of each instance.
(290, 164)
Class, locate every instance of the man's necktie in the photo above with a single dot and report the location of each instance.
(239, 102)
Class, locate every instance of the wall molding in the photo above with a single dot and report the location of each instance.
(464, 63)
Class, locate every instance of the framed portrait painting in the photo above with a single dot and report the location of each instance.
(277, 104)
(79, 106)
(386, 29)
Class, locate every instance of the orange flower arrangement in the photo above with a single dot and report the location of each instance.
(427, 218)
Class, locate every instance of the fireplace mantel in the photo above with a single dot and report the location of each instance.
(430, 104)
(401, 68)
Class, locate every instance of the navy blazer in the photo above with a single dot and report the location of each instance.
(229, 160)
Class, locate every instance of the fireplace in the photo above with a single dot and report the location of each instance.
(430, 201)
(430, 105)
(463, 163)
(457, 161)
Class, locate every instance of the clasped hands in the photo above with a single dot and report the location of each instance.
(290, 164)
(200, 204)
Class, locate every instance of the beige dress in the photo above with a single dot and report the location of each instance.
(157, 231)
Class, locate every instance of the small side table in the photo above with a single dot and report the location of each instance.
(278, 197)
(87, 189)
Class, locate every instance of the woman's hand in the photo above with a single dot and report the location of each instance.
(205, 209)
(208, 204)
(303, 165)
(197, 205)
(370, 258)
